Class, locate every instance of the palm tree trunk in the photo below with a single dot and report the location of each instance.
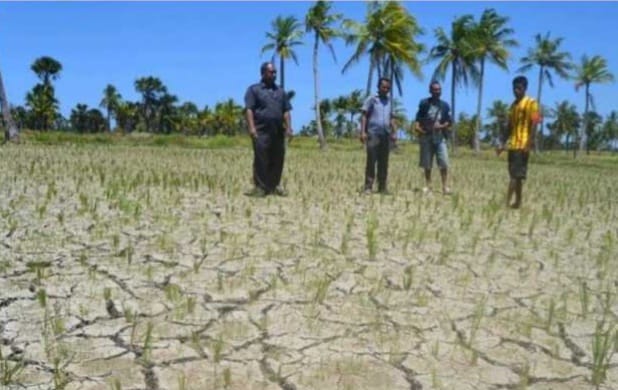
(282, 70)
(539, 129)
(370, 77)
(316, 90)
(453, 116)
(11, 132)
(109, 120)
(582, 136)
(477, 141)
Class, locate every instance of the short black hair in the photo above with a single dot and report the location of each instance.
(521, 80)
(433, 82)
(383, 79)
(264, 67)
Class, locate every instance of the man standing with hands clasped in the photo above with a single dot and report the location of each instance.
(433, 119)
(377, 129)
(268, 118)
(523, 119)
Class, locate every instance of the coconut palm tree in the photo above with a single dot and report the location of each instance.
(590, 71)
(387, 38)
(454, 51)
(547, 56)
(47, 69)
(499, 111)
(286, 33)
(610, 129)
(110, 102)
(566, 122)
(167, 113)
(490, 40)
(43, 106)
(151, 89)
(319, 21)
(10, 133)
(228, 117)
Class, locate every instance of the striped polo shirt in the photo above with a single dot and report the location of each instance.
(523, 116)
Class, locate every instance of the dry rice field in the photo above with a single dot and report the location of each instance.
(148, 268)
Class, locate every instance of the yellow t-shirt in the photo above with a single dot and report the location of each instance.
(523, 117)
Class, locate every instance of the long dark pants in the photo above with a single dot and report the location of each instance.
(377, 153)
(268, 156)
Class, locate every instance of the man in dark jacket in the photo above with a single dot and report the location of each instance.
(268, 118)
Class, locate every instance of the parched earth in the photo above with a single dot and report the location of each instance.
(147, 268)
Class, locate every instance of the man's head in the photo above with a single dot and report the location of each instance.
(268, 72)
(520, 84)
(384, 86)
(435, 89)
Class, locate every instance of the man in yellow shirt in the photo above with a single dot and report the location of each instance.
(523, 119)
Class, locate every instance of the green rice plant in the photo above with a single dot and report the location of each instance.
(191, 302)
(182, 381)
(149, 272)
(321, 287)
(551, 312)
(584, 299)
(532, 226)
(173, 293)
(408, 277)
(345, 237)
(479, 313)
(5, 265)
(227, 378)
(371, 235)
(604, 346)
(115, 241)
(60, 377)
(39, 268)
(147, 345)
(41, 297)
(129, 314)
(217, 349)
(10, 371)
(523, 372)
(107, 293)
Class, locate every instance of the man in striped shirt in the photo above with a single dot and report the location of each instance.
(523, 119)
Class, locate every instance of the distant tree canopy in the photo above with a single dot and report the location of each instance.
(387, 37)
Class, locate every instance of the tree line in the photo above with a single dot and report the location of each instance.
(387, 37)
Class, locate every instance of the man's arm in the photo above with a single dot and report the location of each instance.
(250, 123)
(287, 120)
(447, 120)
(363, 126)
(393, 128)
(417, 121)
(535, 119)
(364, 118)
(249, 105)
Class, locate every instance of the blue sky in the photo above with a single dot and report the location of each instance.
(210, 51)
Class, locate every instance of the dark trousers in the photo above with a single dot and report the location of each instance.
(518, 164)
(268, 156)
(377, 154)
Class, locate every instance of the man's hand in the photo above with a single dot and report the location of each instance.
(499, 150)
(252, 133)
(289, 133)
(363, 137)
(418, 129)
(393, 136)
